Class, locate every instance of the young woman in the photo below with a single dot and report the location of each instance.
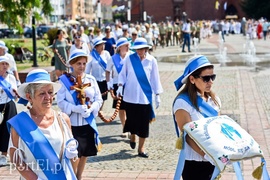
(197, 80)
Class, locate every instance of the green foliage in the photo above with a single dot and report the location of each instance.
(13, 12)
(256, 8)
(51, 35)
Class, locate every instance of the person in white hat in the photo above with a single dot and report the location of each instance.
(40, 134)
(114, 67)
(97, 66)
(140, 77)
(110, 41)
(82, 113)
(191, 104)
(13, 67)
(8, 109)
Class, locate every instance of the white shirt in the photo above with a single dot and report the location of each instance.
(84, 47)
(133, 92)
(186, 27)
(111, 68)
(3, 96)
(66, 103)
(93, 67)
(195, 115)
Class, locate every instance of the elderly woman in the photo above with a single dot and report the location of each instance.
(195, 101)
(82, 111)
(97, 66)
(7, 106)
(41, 144)
(140, 77)
(114, 67)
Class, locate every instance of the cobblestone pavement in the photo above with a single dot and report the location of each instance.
(245, 96)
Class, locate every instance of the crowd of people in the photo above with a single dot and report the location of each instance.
(88, 66)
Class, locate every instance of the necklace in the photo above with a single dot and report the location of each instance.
(41, 117)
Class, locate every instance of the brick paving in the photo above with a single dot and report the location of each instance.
(245, 96)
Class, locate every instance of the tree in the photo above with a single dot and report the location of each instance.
(256, 8)
(14, 12)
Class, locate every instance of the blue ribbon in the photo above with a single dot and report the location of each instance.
(97, 57)
(116, 60)
(93, 124)
(6, 86)
(201, 60)
(66, 81)
(38, 144)
(40, 76)
(142, 79)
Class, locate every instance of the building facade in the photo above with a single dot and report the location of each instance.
(162, 10)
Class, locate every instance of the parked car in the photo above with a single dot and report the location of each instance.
(43, 29)
(6, 32)
(28, 32)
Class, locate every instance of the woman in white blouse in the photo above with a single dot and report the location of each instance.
(195, 83)
(7, 105)
(140, 77)
(114, 67)
(98, 64)
(82, 113)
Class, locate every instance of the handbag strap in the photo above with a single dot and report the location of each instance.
(3, 111)
(62, 130)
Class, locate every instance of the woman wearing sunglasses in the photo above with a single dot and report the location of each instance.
(192, 103)
(79, 44)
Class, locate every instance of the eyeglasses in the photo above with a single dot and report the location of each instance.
(206, 79)
(77, 37)
(134, 34)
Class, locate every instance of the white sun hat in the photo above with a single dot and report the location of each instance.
(3, 45)
(121, 41)
(7, 60)
(77, 53)
(191, 66)
(140, 43)
(37, 76)
(98, 41)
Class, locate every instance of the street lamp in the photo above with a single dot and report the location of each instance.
(99, 13)
(34, 41)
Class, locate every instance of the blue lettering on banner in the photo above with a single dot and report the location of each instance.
(229, 148)
(206, 134)
(244, 149)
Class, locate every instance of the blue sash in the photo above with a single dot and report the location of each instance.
(6, 87)
(66, 81)
(100, 61)
(142, 79)
(90, 120)
(116, 60)
(38, 144)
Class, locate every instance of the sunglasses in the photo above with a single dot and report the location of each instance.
(77, 37)
(206, 79)
(134, 34)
